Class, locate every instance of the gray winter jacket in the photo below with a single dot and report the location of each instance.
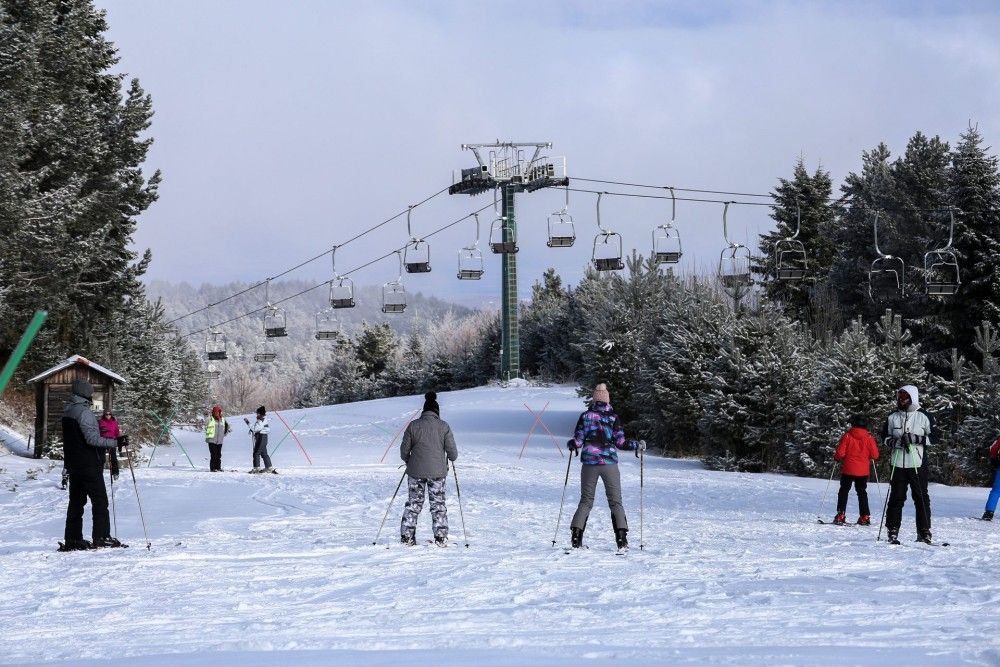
(427, 447)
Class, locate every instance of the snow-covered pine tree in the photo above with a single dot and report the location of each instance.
(981, 426)
(846, 383)
(544, 329)
(758, 382)
(974, 190)
(686, 339)
(71, 156)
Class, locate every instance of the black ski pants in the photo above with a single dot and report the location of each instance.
(914, 479)
(84, 484)
(215, 456)
(260, 451)
(861, 486)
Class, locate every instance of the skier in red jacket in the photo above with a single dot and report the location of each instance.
(857, 448)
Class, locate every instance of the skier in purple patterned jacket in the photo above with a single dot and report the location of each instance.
(598, 437)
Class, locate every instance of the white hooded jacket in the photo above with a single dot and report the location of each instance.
(908, 432)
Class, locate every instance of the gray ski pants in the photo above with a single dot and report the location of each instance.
(612, 479)
(260, 451)
(415, 503)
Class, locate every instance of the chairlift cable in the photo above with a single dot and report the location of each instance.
(308, 261)
(326, 282)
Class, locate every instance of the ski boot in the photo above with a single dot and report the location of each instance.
(270, 469)
(75, 545)
(576, 538)
(893, 536)
(840, 519)
(924, 536)
(255, 471)
(987, 515)
(864, 520)
(621, 540)
(441, 540)
(109, 542)
(408, 540)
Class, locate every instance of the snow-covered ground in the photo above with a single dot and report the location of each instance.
(280, 569)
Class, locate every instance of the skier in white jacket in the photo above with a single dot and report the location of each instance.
(908, 432)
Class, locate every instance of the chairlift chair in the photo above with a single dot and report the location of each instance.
(342, 293)
(275, 323)
(734, 263)
(609, 257)
(667, 238)
(790, 258)
(393, 292)
(887, 274)
(502, 238)
(942, 275)
(266, 352)
(328, 326)
(341, 288)
(470, 263)
(416, 253)
(562, 231)
(417, 256)
(274, 319)
(470, 259)
(215, 346)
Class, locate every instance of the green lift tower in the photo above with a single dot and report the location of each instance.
(504, 169)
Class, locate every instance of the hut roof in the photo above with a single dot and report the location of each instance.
(83, 361)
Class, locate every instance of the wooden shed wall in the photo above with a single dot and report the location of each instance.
(53, 392)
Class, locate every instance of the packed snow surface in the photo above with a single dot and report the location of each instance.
(280, 569)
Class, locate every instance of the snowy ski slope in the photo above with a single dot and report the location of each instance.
(280, 569)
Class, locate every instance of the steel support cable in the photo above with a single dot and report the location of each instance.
(831, 200)
(327, 282)
(308, 261)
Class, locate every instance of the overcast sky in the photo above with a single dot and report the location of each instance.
(283, 128)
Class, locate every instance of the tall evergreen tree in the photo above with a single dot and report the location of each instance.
(807, 198)
(974, 191)
(71, 154)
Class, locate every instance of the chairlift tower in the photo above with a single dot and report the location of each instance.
(503, 167)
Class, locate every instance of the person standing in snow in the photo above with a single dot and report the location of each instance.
(908, 431)
(109, 428)
(259, 431)
(216, 430)
(991, 502)
(428, 444)
(84, 450)
(857, 449)
(597, 439)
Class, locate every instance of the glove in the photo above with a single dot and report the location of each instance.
(573, 449)
(640, 445)
(122, 443)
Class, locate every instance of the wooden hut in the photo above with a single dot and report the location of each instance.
(52, 390)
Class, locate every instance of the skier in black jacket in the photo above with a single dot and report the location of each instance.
(84, 451)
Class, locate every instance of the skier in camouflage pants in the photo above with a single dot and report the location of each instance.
(428, 445)
(415, 503)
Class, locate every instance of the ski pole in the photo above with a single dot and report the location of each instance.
(114, 516)
(642, 489)
(875, 470)
(128, 456)
(389, 508)
(892, 471)
(563, 500)
(833, 468)
(458, 492)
